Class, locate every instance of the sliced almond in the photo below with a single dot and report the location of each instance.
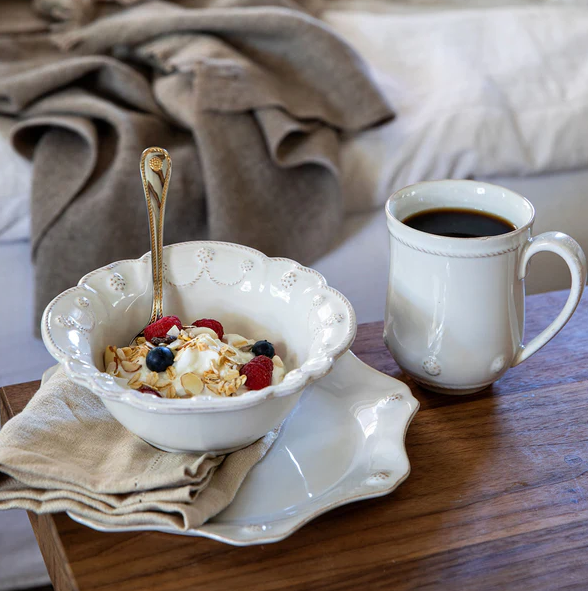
(141, 340)
(135, 381)
(130, 366)
(111, 368)
(183, 335)
(174, 331)
(210, 376)
(196, 331)
(237, 341)
(120, 354)
(169, 391)
(231, 388)
(137, 355)
(191, 383)
(128, 351)
(152, 378)
(230, 375)
(227, 351)
(171, 372)
(176, 344)
(109, 355)
(213, 387)
(278, 361)
(162, 382)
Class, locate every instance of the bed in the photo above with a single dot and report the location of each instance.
(518, 119)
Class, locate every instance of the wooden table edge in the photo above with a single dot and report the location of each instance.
(45, 529)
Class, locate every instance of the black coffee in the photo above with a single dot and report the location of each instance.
(459, 223)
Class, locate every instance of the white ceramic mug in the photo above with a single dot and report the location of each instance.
(456, 306)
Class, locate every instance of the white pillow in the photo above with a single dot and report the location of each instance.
(15, 188)
(482, 91)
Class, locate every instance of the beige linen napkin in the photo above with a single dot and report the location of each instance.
(65, 452)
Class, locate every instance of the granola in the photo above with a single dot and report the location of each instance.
(193, 361)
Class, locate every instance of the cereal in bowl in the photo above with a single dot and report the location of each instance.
(176, 361)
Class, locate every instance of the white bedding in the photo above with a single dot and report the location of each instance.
(499, 90)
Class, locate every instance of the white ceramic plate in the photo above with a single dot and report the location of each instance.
(344, 442)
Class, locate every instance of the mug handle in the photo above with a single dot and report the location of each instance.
(571, 252)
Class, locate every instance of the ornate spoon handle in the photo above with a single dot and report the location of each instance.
(156, 170)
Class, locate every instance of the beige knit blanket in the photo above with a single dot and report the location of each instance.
(250, 97)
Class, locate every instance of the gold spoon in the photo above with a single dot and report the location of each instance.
(156, 170)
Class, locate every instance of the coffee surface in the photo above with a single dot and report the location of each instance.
(459, 223)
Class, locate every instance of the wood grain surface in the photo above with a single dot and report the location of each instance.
(497, 499)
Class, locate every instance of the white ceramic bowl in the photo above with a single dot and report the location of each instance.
(310, 324)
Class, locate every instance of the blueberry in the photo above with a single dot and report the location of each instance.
(159, 359)
(263, 348)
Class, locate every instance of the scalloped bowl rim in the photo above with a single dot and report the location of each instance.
(294, 381)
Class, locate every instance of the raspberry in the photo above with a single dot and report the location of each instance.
(160, 327)
(147, 390)
(264, 361)
(259, 372)
(212, 324)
